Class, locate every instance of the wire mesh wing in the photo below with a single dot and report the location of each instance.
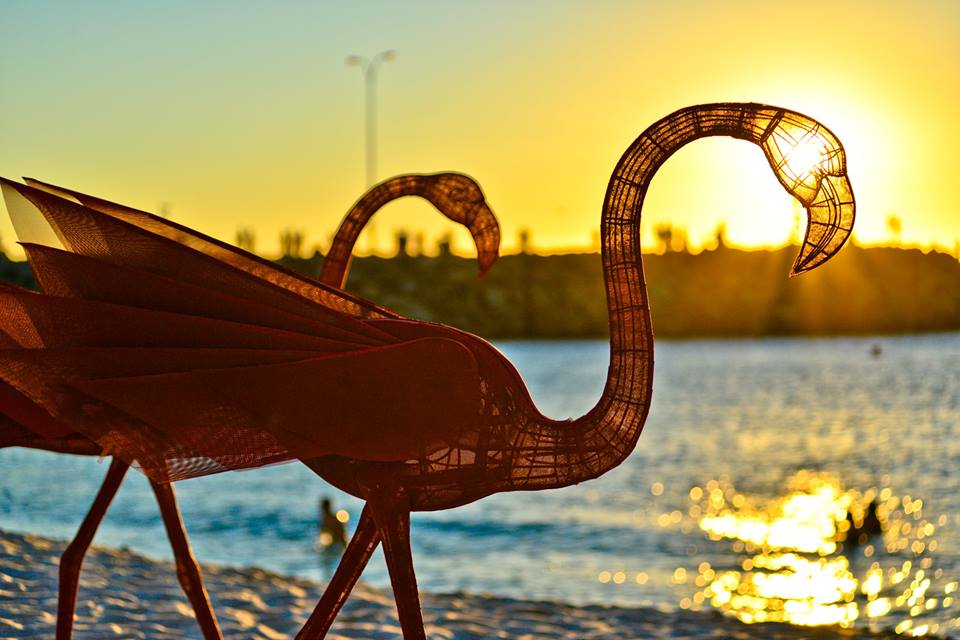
(154, 343)
(225, 253)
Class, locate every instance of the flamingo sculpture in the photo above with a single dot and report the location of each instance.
(406, 415)
(452, 194)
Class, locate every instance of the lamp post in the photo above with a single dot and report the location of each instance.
(370, 66)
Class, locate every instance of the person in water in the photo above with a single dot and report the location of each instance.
(332, 530)
(859, 532)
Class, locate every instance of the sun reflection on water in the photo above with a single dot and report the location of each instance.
(803, 556)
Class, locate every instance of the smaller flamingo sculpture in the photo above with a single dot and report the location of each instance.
(406, 415)
(455, 195)
(452, 195)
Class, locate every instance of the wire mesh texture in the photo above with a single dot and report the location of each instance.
(194, 294)
(187, 356)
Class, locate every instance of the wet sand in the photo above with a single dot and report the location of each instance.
(125, 595)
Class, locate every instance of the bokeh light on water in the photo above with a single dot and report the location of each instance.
(801, 555)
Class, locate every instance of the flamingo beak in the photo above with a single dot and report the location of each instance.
(486, 236)
(830, 215)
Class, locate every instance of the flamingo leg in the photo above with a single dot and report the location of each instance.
(355, 557)
(72, 559)
(393, 521)
(188, 571)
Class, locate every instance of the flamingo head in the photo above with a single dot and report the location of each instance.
(811, 164)
(460, 198)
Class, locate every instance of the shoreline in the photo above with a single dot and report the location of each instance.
(126, 595)
(562, 296)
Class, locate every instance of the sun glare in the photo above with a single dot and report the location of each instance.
(801, 151)
(793, 569)
(806, 157)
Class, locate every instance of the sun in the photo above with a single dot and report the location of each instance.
(806, 157)
(801, 152)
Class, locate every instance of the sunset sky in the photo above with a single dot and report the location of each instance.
(244, 114)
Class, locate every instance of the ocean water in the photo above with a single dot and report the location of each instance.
(736, 498)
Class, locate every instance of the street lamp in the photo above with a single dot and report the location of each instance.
(369, 66)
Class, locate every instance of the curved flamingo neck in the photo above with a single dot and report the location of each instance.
(337, 261)
(607, 434)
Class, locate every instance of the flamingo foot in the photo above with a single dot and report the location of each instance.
(355, 557)
(72, 559)
(188, 571)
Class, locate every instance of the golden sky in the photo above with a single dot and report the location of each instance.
(244, 114)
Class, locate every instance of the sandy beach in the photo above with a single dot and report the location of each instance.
(125, 595)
